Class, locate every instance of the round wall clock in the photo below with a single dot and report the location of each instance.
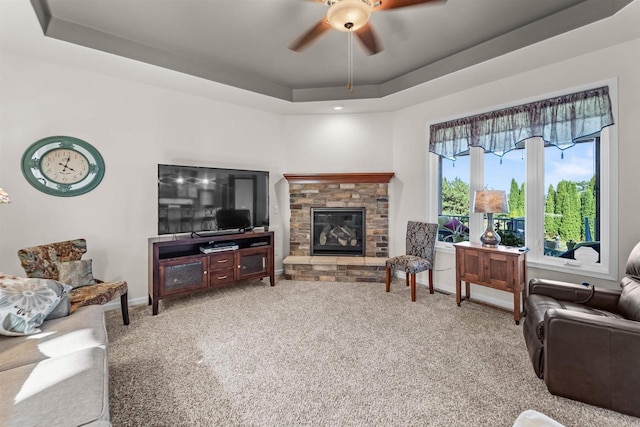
(63, 166)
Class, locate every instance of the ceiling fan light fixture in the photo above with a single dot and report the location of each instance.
(349, 15)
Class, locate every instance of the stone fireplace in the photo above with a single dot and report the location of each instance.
(351, 251)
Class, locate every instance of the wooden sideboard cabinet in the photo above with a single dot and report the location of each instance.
(498, 268)
(178, 267)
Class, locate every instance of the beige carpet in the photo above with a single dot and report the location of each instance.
(327, 354)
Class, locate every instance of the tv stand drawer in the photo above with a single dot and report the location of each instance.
(221, 260)
(220, 277)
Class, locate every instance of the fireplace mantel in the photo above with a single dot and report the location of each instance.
(343, 178)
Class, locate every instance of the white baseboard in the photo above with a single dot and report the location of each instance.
(115, 304)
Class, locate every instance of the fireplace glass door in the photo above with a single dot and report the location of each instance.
(338, 231)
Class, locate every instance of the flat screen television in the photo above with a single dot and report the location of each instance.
(194, 199)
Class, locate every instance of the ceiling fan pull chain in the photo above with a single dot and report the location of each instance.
(350, 61)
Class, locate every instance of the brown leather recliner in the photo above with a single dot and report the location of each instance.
(585, 342)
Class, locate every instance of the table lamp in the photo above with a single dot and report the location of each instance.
(490, 202)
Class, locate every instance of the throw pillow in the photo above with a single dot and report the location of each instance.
(25, 303)
(76, 273)
(456, 225)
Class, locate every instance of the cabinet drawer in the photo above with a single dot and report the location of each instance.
(221, 276)
(221, 260)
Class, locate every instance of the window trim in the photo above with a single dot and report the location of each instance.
(534, 197)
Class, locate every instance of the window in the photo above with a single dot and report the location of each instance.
(453, 212)
(508, 173)
(562, 194)
(571, 207)
(586, 169)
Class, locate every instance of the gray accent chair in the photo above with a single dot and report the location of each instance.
(420, 255)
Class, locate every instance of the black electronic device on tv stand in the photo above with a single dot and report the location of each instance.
(218, 232)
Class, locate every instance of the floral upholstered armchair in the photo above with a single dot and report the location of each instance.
(61, 261)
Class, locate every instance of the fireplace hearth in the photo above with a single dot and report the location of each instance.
(338, 231)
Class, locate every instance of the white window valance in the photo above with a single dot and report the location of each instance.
(560, 121)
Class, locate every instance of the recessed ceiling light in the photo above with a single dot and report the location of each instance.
(338, 107)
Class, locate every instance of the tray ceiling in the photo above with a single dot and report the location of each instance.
(244, 43)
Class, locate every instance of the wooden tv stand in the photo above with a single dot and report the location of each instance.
(178, 267)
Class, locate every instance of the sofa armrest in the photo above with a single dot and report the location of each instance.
(592, 359)
(602, 298)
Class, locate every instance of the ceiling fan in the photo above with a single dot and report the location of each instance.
(353, 16)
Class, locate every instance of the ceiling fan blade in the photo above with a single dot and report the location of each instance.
(316, 31)
(369, 39)
(394, 4)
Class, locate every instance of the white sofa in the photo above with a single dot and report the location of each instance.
(58, 377)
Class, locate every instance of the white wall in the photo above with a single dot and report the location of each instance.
(135, 127)
(339, 143)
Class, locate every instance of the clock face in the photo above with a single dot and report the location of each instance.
(63, 166)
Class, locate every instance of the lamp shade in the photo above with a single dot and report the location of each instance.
(349, 15)
(490, 201)
(4, 197)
